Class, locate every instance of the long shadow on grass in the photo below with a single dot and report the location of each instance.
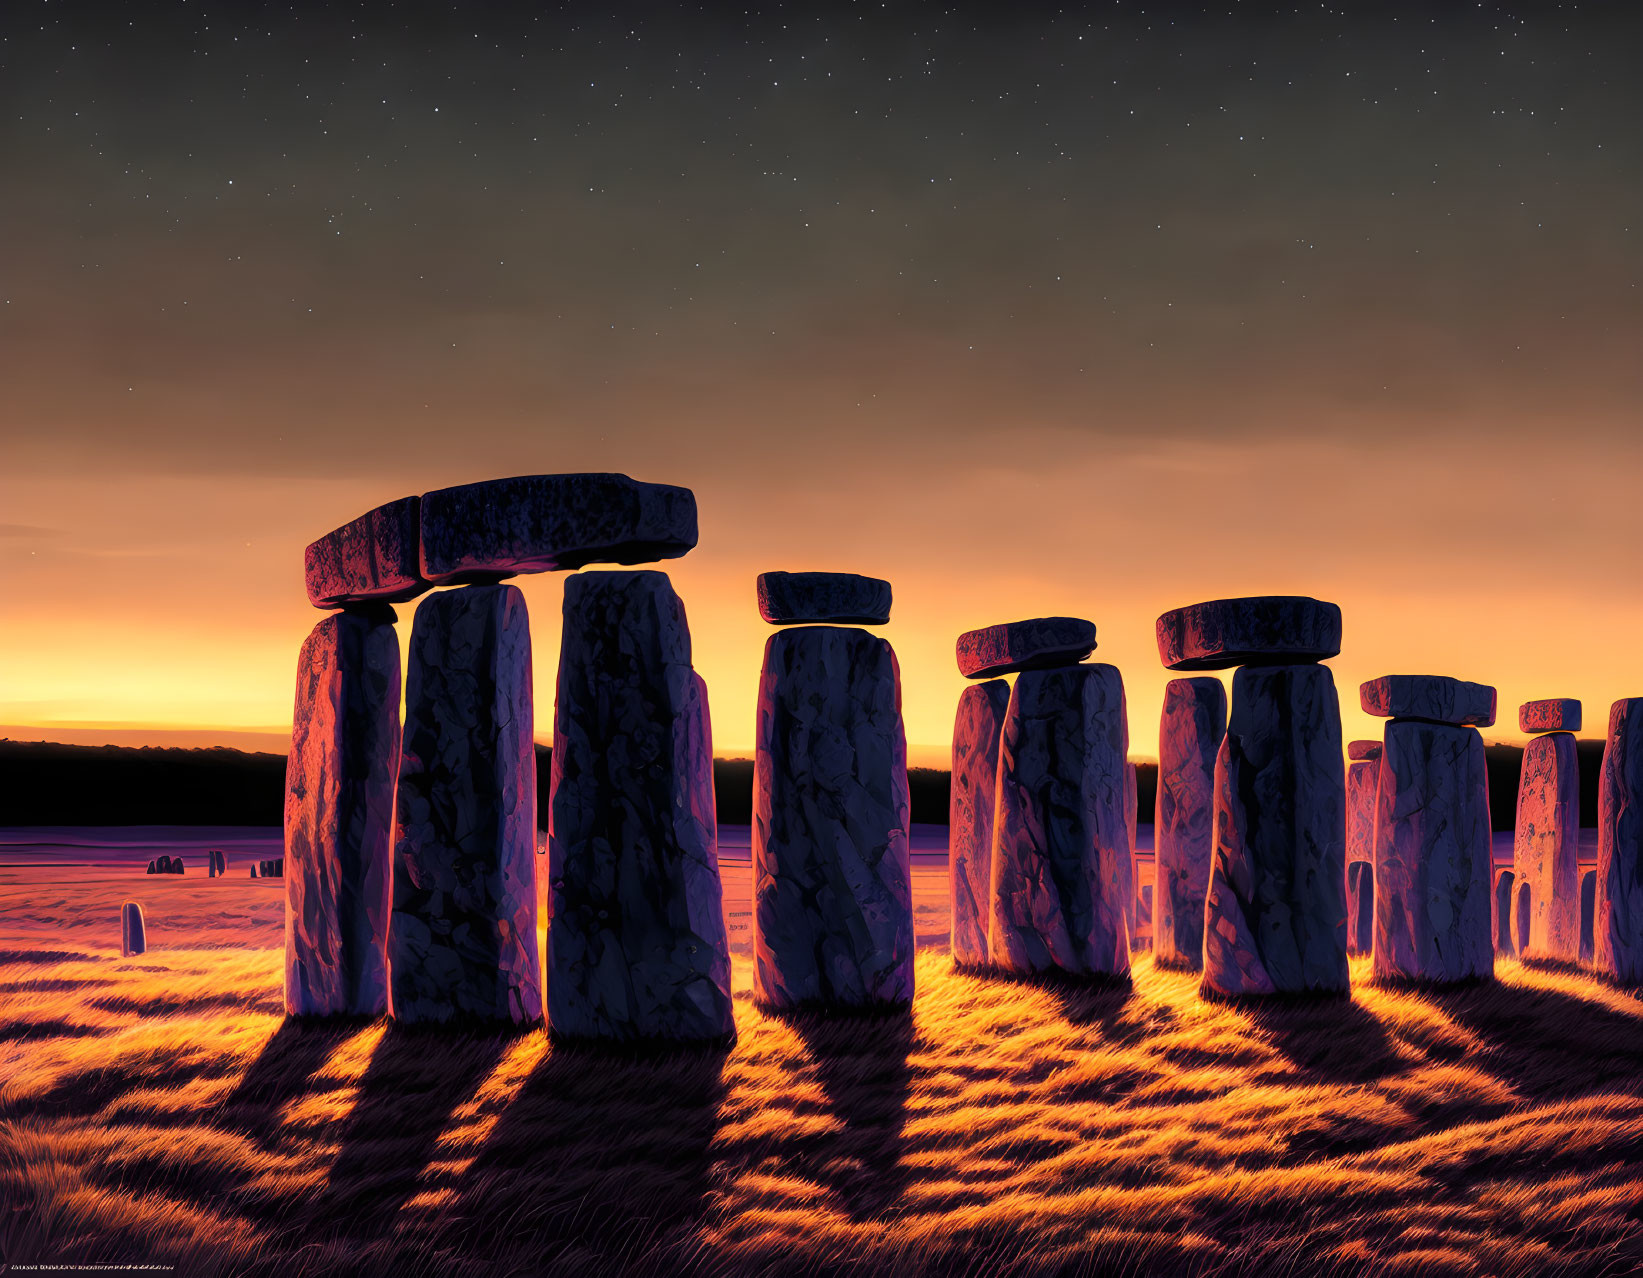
(1328, 1040)
(415, 1081)
(861, 1065)
(600, 1159)
(279, 1075)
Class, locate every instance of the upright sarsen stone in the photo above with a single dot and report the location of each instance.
(339, 818)
(1617, 924)
(1360, 907)
(133, 939)
(1545, 847)
(1361, 778)
(636, 941)
(976, 730)
(833, 911)
(1062, 875)
(462, 936)
(1432, 862)
(1502, 925)
(1193, 722)
(1275, 917)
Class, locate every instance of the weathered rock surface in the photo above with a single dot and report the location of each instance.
(1361, 779)
(462, 934)
(375, 557)
(1433, 893)
(546, 523)
(1132, 816)
(1062, 877)
(133, 937)
(1502, 922)
(1363, 751)
(843, 598)
(1588, 913)
(833, 912)
(1617, 931)
(1275, 915)
(1555, 715)
(1190, 730)
(1431, 698)
(339, 818)
(1039, 643)
(976, 730)
(1260, 630)
(1360, 907)
(637, 950)
(1545, 846)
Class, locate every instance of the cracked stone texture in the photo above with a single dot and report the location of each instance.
(374, 557)
(1361, 779)
(462, 935)
(1275, 916)
(792, 598)
(637, 949)
(976, 730)
(1545, 846)
(1433, 895)
(1038, 643)
(1260, 630)
(547, 523)
(1132, 815)
(1360, 907)
(133, 939)
(1431, 698)
(1555, 715)
(833, 903)
(1501, 923)
(339, 818)
(1617, 933)
(1363, 751)
(1062, 876)
(1193, 722)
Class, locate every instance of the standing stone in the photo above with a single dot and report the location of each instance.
(1360, 907)
(1432, 861)
(462, 934)
(833, 912)
(976, 730)
(1193, 723)
(339, 818)
(254, 869)
(151, 867)
(1617, 929)
(1361, 778)
(1545, 848)
(1588, 911)
(1062, 877)
(1275, 916)
(1132, 816)
(637, 949)
(1504, 948)
(133, 939)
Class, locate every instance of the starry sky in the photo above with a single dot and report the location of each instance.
(1092, 312)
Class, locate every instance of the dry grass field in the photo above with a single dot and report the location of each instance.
(159, 1110)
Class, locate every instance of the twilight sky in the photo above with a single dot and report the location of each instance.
(1096, 315)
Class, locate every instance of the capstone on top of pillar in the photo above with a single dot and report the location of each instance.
(1433, 698)
(372, 558)
(1361, 751)
(1038, 643)
(837, 598)
(1262, 630)
(547, 523)
(1557, 714)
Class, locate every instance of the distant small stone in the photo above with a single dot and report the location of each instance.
(373, 558)
(549, 523)
(1432, 698)
(838, 598)
(1039, 643)
(1263, 630)
(1556, 715)
(1363, 751)
(152, 867)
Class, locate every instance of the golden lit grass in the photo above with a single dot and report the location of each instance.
(159, 1109)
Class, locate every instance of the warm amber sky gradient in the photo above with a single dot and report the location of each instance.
(1029, 316)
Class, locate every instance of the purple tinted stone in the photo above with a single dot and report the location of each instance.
(1502, 916)
(374, 558)
(1262, 630)
(1545, 846)
(1189, 736)
(1617, 930)
(339, 819)
(1558, 715)
(133, 939)
(841, 598)
(1039, 643)
(976, 730)
(1433, 698)
(1363, 751)
(1360, 907)
(1361, 780)
(547, 523)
